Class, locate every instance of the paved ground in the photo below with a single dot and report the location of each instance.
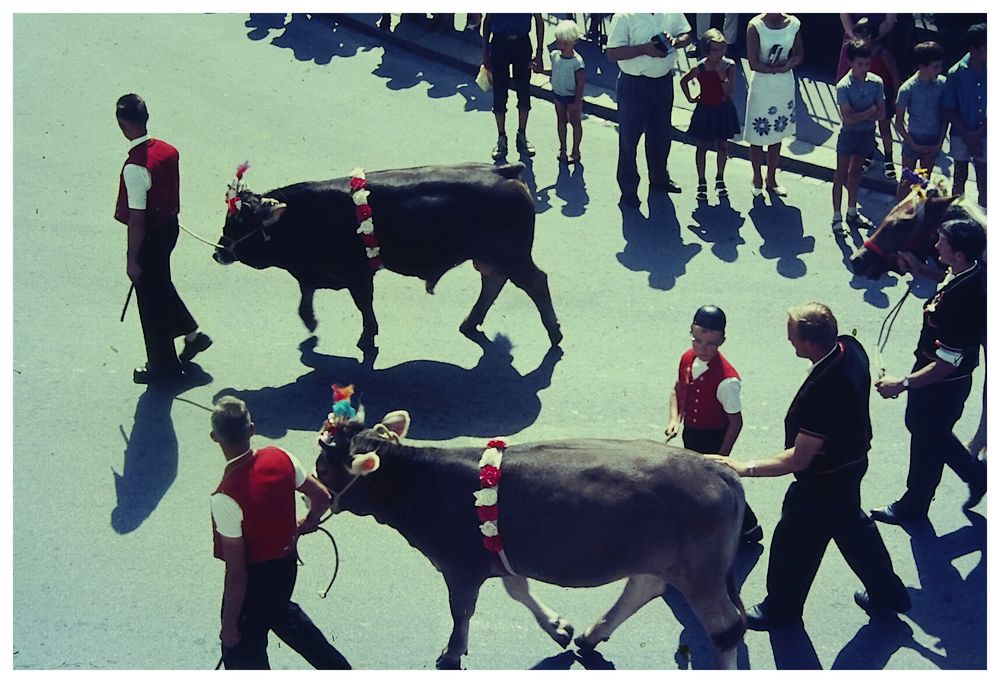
(111, 554)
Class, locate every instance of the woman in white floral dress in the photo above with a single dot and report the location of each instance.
(774, 48)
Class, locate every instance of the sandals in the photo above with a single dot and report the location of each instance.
(561, 157)
(720, 188)
(702, 194)
(574, 158)
(866, 164)
(890, 170)
(778, 190)
(757, 191)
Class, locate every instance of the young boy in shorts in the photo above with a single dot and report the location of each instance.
(965, 110)
(861, 98)
(919, 114)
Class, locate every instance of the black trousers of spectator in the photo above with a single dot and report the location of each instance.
(709, 441)
(267, 607)
(163, 315)
(511, 54)
(816, 510)
(645, 107)
(931, 414)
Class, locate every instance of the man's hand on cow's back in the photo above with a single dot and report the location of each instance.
(737, 466)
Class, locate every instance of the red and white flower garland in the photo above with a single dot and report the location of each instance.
(486, 499)
(233, 201)
(363, 212)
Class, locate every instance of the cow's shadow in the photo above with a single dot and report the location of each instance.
(695, 649)
(780, 226)
(444, 400)
(654, 245)
(874, 290)
(569, 187)
(720, 225)
(150, 463)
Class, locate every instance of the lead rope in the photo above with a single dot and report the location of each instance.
(200, 239)
(886, 328)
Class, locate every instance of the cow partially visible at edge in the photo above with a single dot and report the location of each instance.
(577, 513)
(421, 222)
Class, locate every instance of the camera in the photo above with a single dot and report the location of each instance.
(662, 43)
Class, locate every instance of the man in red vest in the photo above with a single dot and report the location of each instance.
(706, 398)
(255, 530)
(148, 203)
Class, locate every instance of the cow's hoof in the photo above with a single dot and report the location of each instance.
(561, 632)
(448, 663)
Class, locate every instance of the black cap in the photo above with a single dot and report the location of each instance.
(711, 318)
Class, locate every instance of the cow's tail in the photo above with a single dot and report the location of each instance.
(510, 171)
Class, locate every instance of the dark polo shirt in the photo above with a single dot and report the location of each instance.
(954, 323)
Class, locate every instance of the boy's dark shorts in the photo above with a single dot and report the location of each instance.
(855, 142)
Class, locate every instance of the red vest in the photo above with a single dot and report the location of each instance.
(697, 399)
(164, 199)
(264, 488)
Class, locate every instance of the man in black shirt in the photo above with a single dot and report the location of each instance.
(827, 437)
(941, 379)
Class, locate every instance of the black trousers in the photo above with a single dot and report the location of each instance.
(931, 414)
(267, 607)
(163, 315)
(709, 441)
(817, 510)
(645, 106)
(509, 55)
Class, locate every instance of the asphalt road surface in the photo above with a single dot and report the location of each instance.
(111, 553)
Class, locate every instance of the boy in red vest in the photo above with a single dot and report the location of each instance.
(706, 398)
(255, 530)
(148, 203)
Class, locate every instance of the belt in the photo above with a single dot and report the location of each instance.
(669, 74)
(510, 36)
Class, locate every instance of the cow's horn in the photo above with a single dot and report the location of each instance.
(272, 202)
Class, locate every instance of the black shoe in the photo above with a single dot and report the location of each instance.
(977, 487)
(858, 221)
(500, 151)
(701, 193)
(752, 535)
(148, 375)
(523, 146)
(630, 199)
(758, 619)
(666, 184)
(895, 513)
(879, 608)
(192, 348)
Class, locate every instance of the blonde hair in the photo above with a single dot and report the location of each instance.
(712, 36)
(567, 29)
(814, 322)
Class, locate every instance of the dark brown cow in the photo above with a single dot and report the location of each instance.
(426, 221)
(572, 513)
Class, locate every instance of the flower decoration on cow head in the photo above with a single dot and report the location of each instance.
(921, 184)
(233, 201)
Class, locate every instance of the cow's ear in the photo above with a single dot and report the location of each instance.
(272, 214)
(398, 422)
(364, 464)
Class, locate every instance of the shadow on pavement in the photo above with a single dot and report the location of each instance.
(874, 290)
(720, 225)
(694, 647)
(654, 244)
(150, 464)
(444, 400)
(570, 188)
(780, 226)
(310, 39)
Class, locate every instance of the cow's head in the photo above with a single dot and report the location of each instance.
(249, 220)
(911, 226)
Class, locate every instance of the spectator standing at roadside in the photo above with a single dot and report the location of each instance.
(965, 110)
(715, 119)
(883, 65)
(919, 113)
(774, 48)
(507, 53)
(702, 22)
(861, 100)
(568, 79)
(645, 45)
(881, 24)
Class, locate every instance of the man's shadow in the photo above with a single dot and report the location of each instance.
(719, 225)
(569, 187)
(654, 244)
(310, 38)
(444, 400)
(150, 464)
(780, 226)
(694, 648)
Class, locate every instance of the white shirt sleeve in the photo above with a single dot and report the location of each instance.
(618, 34)
(137, 185)
(227, 515)
(728, 394)
(678, 24)
(300, 472)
